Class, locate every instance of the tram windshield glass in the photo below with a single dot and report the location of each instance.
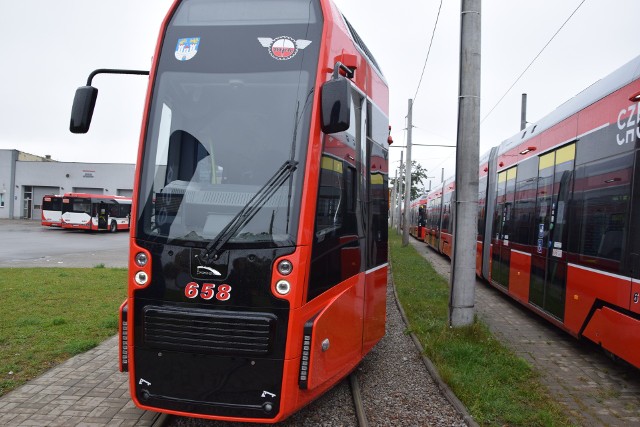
(229, 123)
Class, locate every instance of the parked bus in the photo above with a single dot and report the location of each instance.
(559, 215)
(51, 211)
(259, 227)
(89, 212)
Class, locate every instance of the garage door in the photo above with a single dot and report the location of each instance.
(89, 190)
(38, 193)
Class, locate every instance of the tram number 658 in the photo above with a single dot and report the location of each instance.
(208, 291)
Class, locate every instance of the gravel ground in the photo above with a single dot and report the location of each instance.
(395, 385)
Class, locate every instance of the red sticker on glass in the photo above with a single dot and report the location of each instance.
(283, 48)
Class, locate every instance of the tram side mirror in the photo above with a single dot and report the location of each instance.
(336, 105)
(83, 104)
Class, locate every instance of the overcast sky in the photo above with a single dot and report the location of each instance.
(52, 46)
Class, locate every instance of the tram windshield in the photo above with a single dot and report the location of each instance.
(227, 113)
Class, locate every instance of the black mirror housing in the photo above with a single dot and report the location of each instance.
(336, 105)
(83, 104)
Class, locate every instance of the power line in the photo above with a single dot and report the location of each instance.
(424, 145)
(428, 51)
(531, 63)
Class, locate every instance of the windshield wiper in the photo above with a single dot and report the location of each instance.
(249, 210)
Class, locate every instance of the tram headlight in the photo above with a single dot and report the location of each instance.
(141, 259)
(283, 287)
(141, 278)
(285, 267)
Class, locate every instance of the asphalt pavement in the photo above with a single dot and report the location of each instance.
(25, 243)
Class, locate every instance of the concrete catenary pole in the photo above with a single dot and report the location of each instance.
(462, 300)
(523, 112)
(392, 210)
(399, 193)
(407, 178)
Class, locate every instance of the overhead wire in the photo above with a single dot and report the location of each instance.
(532, 61)
(428, 51)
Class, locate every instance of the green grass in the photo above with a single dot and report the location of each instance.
(497, 387)
(50, 314)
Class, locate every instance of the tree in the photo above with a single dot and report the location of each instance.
(418, 174)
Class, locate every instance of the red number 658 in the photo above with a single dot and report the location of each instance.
(208, 291)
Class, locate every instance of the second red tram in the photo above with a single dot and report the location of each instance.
(258, 263)
(559, 215)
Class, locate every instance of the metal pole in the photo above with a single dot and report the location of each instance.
(523, 112)
(407, 178)
(399, 195)
(462, 300)
(392, 208)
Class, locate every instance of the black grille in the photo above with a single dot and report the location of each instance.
(209, 331)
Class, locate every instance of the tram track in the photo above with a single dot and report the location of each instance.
(358, 404)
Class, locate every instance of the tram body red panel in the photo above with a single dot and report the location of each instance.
(615, 109)
(586, 287)
(446, 243)
(375, 307)
(336, 347)
(616, 332)
(520, 277)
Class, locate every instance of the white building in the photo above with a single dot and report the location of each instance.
(26, 178)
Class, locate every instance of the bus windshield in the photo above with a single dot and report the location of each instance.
(226, 113)
(52, 203)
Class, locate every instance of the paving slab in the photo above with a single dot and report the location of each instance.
(86, 390)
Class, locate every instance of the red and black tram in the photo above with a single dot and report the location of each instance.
(417, 217)
(559, 215)
(258, 260)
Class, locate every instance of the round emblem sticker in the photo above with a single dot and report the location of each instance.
(283, 48)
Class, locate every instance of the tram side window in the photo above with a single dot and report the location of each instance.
(335, 253)
(378, 200)
(507, 213)
(434, 214)
(498, 215)
(482, 202)
(331, 194)
(525, 203)
(602, 194)
(446, 212)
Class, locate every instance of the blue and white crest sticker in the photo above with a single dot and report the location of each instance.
(187, 48)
